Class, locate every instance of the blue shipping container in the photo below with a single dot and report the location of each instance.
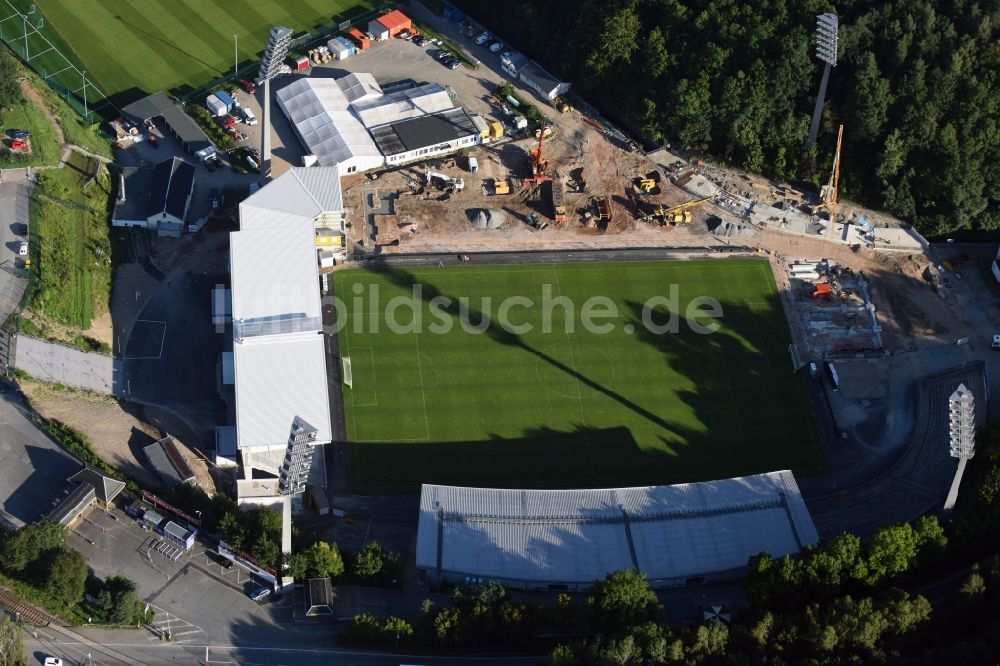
(226, 99)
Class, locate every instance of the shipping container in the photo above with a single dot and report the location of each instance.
(359, 38)
(300, 64)
(226, 99)
(215, 106)
(341, 47)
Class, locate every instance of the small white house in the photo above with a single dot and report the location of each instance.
(155, 198)
(549, 87)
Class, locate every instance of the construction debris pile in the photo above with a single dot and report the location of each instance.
(483, 218)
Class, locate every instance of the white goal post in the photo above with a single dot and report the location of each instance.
(345, 362)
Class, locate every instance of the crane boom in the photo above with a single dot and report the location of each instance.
(828, 193)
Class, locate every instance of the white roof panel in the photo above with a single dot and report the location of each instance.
(409, 103)
(578, 536)
(274, 272)
(280, 380)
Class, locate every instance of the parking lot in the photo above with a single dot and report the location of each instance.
(191, 592)
(389, 61)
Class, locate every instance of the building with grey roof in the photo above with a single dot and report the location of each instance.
(181, 125)
(72, 506)
(156, 197)
(426, 136)
(567, 539)
(168, 462)
(535, 77)
(106, 489)
(319, 597)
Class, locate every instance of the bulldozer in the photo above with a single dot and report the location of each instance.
(501, 186)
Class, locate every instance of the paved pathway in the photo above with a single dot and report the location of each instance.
(62, 364)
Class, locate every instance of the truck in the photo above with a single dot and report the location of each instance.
(558, 204)
(248, 117)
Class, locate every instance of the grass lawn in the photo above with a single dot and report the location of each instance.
(137, 46)
(70, 250)
(547, 408)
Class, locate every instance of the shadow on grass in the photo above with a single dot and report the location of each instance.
(751, 405)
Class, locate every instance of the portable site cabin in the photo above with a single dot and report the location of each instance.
(394, 22)
(359, 38)
(226, 99)
(341, 47)
(300, 64)
(215, 106)
(546, 85)
(378, 31)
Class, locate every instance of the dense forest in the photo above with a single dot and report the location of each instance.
(915, 87)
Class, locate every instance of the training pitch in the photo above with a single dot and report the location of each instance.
(551, 409)
(132, 46)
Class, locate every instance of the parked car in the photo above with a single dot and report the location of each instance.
(483, 38)
(213, 164)
(213, 196)
(227, 121)
(22, 248)
(249, 86)
(420, 41)
(259, 593)
(53, 661)
(19, 134)
(443, 55)
(404, 34)
(496, 47)
(453, 64)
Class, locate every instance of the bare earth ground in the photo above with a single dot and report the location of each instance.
(115, 435)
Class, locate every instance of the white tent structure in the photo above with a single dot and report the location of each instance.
(410, 103)
(319, 111)
(567, 539)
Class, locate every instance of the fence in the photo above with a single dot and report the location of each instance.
(23, 30)
(301, 43)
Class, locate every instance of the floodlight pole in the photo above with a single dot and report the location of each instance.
(86, 113)
(236, 53)
(826, 50)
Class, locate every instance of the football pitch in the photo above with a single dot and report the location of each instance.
(133, 46)
(632, 397)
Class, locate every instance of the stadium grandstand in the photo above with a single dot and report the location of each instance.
(567, 539)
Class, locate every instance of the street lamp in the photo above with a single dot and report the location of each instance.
(826, 51)
(236, 52)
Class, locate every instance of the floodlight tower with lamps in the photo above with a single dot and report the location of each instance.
(826, 50)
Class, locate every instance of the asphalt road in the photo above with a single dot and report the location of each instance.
(15, 193)
(95, 651)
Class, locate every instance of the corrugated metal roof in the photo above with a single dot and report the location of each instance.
(359, 86)
(394, 20)
(424, 131)
(535, 72)
(578, 536)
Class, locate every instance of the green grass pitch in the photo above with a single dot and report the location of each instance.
(148, 45)
(554, 409)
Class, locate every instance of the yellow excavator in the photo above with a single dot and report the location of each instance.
(828, 193)
(679, 214)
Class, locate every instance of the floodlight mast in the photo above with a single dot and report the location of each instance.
(826, 50)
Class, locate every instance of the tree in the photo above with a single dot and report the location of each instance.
(10, 90)
(11, 643)
(28, 543)
(623, 599)
(871, 103)
(66, 577)
(369, 560)
(119, 599)
(619, 39)
(317, 560)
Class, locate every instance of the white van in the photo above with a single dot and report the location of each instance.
(248, 116)
(22, 249)
(473, 165)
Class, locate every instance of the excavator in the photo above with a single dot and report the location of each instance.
(828, 193)
(679, 214)
(538, 163)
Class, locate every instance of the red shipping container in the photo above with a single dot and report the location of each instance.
(300, 63)
(359, 39)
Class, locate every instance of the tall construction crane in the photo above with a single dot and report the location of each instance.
(828, 193)
(538, 163)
